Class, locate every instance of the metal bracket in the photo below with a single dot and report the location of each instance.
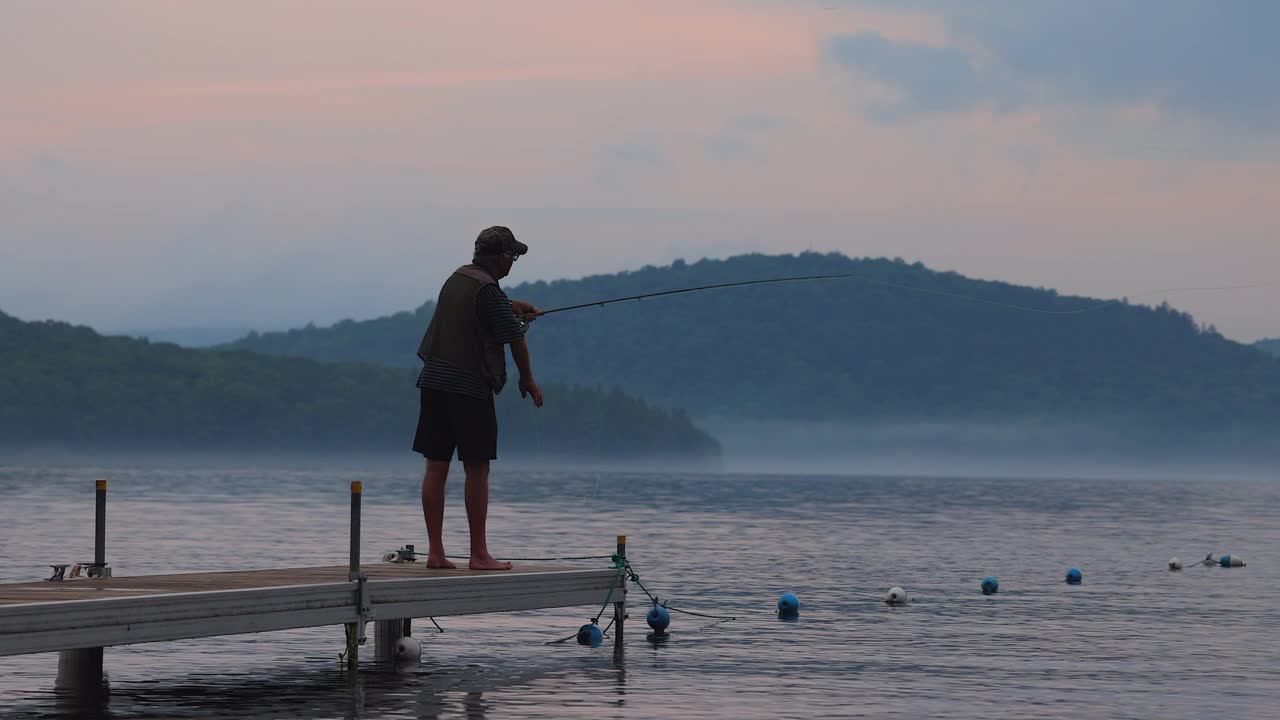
(94, 570)
(60, 572)
(405, 554)
(364, 604)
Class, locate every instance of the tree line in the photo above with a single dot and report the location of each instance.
(895, 342)
(65, 386)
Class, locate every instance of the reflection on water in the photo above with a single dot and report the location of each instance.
(1133, 641)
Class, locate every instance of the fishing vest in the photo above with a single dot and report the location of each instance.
(457, 336)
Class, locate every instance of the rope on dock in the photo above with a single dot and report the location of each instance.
(540, 559)
(404, 554)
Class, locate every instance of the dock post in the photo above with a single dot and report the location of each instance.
(355, 631)
(100, 525)
(357, 488)
(80, 670)
(620, 605)
(386, 633)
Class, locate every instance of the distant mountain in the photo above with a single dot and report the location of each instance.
(69, 387)
(1272, 346)
(896, 343)
(192, 337)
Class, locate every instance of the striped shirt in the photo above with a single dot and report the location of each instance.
(494, 308)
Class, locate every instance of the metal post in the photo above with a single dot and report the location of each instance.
(620, 605)
(357, 488)
(80, 670)
(100, 526)
(355, 631)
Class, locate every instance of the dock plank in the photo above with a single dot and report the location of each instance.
(141, 585)
(43, 616)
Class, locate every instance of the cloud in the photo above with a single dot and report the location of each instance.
(726, 148)
(1186, 57)
(928, 79)
(757, 123)
(631, 160)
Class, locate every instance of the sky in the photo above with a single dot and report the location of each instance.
(271, 163)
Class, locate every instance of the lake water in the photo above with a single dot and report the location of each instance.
(1134, 640)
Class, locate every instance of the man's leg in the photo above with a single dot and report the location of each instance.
(477, 496)
(433, 512)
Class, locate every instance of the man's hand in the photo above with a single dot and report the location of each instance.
(529, 387)
(525, 311)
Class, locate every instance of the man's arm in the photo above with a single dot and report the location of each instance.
(525, 310)
(520, 353)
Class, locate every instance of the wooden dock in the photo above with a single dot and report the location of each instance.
(89, 613)
(79, 617)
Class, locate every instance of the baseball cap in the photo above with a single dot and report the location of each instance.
(498, 240)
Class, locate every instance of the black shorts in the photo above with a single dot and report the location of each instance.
(450, 420)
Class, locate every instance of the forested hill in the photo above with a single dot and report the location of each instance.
(1272, 346)
(865, 349)
(63, 386)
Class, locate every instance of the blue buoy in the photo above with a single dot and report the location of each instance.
(990, 585)
(1229, 561)
(658, 619)
(1074, 576)
(788, 605)
(590, 634)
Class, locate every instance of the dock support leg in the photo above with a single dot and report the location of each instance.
(355, 631)
(386, 633)
(620, 605)
(80, 671)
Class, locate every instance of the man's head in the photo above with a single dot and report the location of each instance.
(496, 249)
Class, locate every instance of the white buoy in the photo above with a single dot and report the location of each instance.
(895, 596)
(408, 650)
(1175, 564)
(1230, 561)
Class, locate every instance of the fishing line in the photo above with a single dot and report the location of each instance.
(912, 288)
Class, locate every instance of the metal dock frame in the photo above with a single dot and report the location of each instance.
(388, 594)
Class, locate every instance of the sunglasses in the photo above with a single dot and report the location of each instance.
(514, 257)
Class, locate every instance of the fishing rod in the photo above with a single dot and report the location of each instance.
(602, 303)
(911, 288)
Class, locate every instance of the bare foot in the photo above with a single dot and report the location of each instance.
(487, 562)
(440, 562)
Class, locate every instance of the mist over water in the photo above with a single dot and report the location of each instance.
(1043, 448)
(1133, 641)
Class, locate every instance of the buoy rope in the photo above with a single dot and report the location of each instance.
(561, 640)
(621, 564)
(624, 566)
(612, 586)
(705, 615)
(567, 638)
(352, 641)
(633, 577)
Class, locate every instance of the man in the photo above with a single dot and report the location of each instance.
(464, 365)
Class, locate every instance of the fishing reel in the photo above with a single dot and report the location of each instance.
(401, 555)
